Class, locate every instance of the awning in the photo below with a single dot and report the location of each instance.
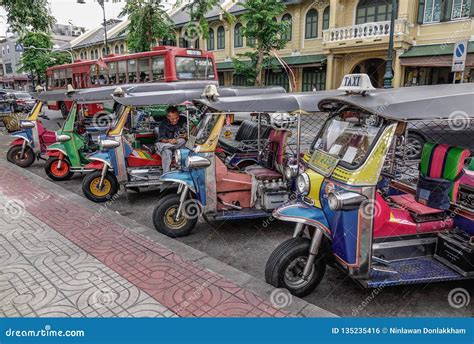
(291, 60)
(434, 55)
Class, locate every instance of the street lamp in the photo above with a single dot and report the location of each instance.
(388, 76)
(102, 4)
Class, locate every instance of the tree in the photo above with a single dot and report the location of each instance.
(33, 60)
(263, 33)
(28, 15)
(197, 10)
(148, 22)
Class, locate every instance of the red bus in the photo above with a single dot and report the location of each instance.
(162, 64)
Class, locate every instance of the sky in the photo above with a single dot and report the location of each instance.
(88, 15)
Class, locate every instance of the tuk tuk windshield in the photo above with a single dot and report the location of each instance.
(348, 136)
(201, 132)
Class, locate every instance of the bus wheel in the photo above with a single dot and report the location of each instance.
(285, 266)
(63, 109)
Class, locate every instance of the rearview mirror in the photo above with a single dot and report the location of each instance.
(27, 125)
(108, 144)
(63, 138)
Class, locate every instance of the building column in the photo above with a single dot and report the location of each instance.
(333, 5)
(397, 69)
(330, 72)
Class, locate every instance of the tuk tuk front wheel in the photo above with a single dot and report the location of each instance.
(285, 267)
(14, 156)
(56, 171)
(164, 218)
(94, 191)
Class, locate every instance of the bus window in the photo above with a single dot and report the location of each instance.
(194, 68)
(94, 80)
(112, 73)
(132, 71)
(144, 69)
(55, 78)
(68, 76)
(103, 77)
(122, 72)
(50, 82)
(158, 68)
(62, 77)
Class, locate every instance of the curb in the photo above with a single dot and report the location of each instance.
(298, 306)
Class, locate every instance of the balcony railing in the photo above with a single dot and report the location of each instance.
(364, 31)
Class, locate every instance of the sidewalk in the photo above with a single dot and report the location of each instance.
(61, 255)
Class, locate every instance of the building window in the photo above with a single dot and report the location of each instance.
(221, 38)
(311, 24)
(238, 38)
(183, 42)
(289, 30)
(122, 49)
(103, 52)
(210, 40)
(326, 18)
(461, 9)
(369, 11)
(314, 79)
(117, 51)
(432, 12)
(277, 77)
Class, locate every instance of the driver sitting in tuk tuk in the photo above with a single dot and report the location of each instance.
(172, 135)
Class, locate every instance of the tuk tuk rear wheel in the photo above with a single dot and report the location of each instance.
(55, 173)
(13, 155)
(90, 187)
(164, 218)
(286, 263)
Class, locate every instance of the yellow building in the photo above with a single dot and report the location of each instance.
(330, 38)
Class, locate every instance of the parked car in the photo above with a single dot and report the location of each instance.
(24, 101)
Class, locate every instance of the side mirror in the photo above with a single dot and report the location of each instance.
(109, 144)
(63, 138)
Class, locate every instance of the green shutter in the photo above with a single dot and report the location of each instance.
(421, 11)
(446, 9)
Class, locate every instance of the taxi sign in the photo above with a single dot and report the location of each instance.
(356, 83)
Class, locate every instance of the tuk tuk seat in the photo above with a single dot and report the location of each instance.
(248, 131)
(139, 157)
(437, 161)
(276, 158)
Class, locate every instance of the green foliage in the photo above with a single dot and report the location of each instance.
(198, 10)
(148, 23)
(28, 15)
(36, 61)
(263, 33)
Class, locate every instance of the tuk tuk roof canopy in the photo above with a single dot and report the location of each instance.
(290, 102)
(179, 96)
(106, 92)
(412, 103)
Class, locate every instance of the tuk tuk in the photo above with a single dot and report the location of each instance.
(210, 188)
(32, 140)
(353, 211)
(80, 131)
(123, 160)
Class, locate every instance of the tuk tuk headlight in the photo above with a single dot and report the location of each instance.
(109, 144)
(26, 125)
(303, 184)
(62, 138)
